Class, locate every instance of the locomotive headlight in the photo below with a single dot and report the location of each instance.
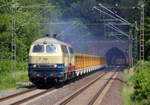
(55, 66)
(34, 66)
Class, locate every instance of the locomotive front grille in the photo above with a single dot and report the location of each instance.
(46, 66)
(43, 71)
(43, 66)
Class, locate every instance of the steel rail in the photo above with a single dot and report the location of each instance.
(100, 90)
(80, 90)
(33, 96)
(17, 94)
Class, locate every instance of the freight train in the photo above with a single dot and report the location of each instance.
(54, 60)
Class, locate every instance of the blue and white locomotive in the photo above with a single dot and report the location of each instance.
(51, 59)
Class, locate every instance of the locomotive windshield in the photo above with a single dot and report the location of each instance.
(44, 48)
(38, 48)
(50, 49)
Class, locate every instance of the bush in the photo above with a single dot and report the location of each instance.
(141, 83)
(5, 66)
(9, 78)
(142, 65)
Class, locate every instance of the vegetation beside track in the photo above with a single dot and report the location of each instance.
(28, 25)
(12, 79)
(136, 91)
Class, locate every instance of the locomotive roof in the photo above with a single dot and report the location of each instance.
(48, 40)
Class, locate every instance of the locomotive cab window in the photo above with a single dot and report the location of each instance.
(71, 50)
(38, 48)
(64, 49)
(51, 49)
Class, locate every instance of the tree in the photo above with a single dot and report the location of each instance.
(27, 24)
(147, 38)
(147, 30)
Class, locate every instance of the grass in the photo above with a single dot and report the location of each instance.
(136, 91)
(10, 79)
(127, 89)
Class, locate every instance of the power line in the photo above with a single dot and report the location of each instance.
(111, 14)
(114, 14)
(117, 29)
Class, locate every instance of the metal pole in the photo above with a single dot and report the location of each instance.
(135, 43)
(129, 50)
(131, 47)
(142, 33)
(13, 44)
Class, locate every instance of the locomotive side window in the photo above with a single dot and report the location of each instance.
(51, 49)
(38, 48)
(70, 50)
(64, 49)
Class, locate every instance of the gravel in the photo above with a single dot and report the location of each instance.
(56, 96)
(15, 91)
(113, 94)
(52, 98)
(11, 92)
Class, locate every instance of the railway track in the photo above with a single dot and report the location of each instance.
(22, 97)
(17, 94)
(93, 100)
(67, 100)
(29, 95)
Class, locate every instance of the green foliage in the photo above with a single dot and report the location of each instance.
(147, 38)
(27, 27)
(9, 78)
(147, 30)
(27, 16)
(127, 88)
(5, 66)
(136, 91)
(147, 8)
(141, 83)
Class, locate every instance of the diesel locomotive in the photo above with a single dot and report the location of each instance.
(54, 60)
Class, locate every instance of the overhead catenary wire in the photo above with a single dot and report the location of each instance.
(117, 29)
(114, 14)
(110, 15)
